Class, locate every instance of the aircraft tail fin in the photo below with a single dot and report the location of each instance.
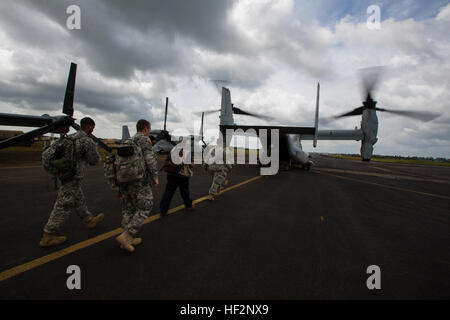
(226, 111)
(125, 133)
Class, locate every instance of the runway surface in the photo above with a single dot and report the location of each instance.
(296, 235)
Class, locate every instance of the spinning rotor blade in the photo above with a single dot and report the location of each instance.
(236, 111)
(100, 142)
(245, 113)
(419, 115)
(70, 91)
(206, 112)
(354, 112)
(369, 79)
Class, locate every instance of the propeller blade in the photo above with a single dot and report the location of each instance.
(100, 142)
(60, 122)
(201, 131)
(206, 112)
(419, 115)
(8, 119)
(165, 114)
(201, 126)
(236, 111)
(246, 113)
(354, 112)
(369, 79)
(26, 136)
(70, 91)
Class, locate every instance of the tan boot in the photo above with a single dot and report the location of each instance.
(49, 240)
(92, 223)
(134, 242)
(125, 240)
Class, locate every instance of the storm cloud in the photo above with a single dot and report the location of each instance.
(271, 54)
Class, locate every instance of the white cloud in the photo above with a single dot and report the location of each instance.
(271, 56)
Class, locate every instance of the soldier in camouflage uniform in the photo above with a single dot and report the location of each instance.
(137, 197)
(219, 171)
(70, 195)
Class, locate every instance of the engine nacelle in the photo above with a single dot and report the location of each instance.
(369, 127)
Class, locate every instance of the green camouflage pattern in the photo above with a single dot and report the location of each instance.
(70, 198)
(220, 175)
(130, 168)
(70, 195)
(149, 157)
(86, 152)
(137, 203)
(137, 196)
(109, 171)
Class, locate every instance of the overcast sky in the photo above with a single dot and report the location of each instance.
(133, 54)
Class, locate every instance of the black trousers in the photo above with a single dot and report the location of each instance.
(173, 182)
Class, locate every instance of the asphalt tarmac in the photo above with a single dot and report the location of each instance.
(296, 235)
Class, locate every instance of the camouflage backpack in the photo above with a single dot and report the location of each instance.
(129, 163)
(59, 159)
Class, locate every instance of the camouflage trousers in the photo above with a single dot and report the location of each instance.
(70, 198)
(137, 203)
(220, 172)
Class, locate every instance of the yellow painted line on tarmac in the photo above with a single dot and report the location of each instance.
(56, 255)
(89, 242)
(385, 186)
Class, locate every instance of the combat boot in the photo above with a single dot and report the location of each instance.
(92, 223)
(134, 242)
(191, 208)
(126, 240)
(49, 240)
(225, 183)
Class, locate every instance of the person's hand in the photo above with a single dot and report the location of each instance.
(156, 182)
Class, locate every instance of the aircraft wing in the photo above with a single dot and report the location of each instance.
(283, 130)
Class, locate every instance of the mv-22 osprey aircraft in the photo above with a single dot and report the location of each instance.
(46, 123)
(161, 139)
(59, 124)
(163, 142)
(290, 148)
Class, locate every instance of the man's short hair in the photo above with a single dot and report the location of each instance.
(142, 124)
(86, 122)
